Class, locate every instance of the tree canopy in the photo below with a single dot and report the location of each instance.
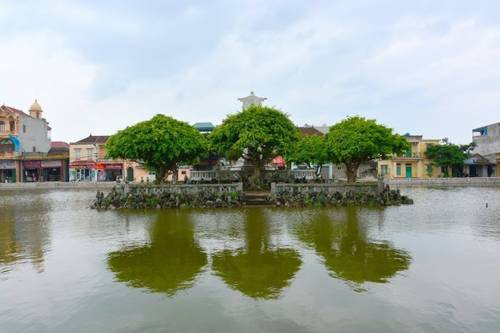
(162, 143)
(447, 155)
(356, 140)
(257, 134)
(309, 150)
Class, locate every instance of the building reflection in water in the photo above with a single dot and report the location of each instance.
(259, 270)
(169, 263)
(24, 234)
(346, 251)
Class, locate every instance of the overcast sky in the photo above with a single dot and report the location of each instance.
(424, 67)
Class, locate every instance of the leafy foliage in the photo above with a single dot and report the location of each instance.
(356, 140)
(309, 149)
(162, 143)
(257, 134)
(448, 155)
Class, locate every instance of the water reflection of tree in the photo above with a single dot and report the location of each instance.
(171, 261)
(24, 233)
(347, 252)
(259, 270)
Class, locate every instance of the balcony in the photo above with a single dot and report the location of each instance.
(5, 133)
(8, 154)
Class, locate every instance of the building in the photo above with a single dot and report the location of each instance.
(88, 161)
(487, 141)
(412, 163)
(25, 147)
(137, 172)
(204, 127)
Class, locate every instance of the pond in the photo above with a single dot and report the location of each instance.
(430, 267)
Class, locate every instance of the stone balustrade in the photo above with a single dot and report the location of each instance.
(304, 174)
(206, 175)
(340, 187)
(444, 182)
(178, 188)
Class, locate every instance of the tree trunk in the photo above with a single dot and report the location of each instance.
(319, 167)
(175, 176)
(351, 171)
(160, 175)
(256, 177)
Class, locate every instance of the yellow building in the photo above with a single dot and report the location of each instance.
(413, 163)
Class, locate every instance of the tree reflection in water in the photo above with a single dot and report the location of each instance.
(24, 234)
(259, 270)
(347, 252)
(171, 261)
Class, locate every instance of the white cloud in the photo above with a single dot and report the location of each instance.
(39, 66)
(457, 68)
(415, 75)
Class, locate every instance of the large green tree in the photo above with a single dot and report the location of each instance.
(356, 140)
(309, 150)
(447, 156)
(257, 134)
(162, 143)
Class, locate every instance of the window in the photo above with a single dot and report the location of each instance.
(34, 149)
(77, 154)
(24, 128)
(12, 125)
(398, 169)
(384, 170)
(90, 153)
(2, 125)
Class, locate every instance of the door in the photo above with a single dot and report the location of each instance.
(130, 174)
(408, 171)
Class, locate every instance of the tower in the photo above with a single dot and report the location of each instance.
(36, 110)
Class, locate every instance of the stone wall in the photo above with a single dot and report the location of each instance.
(445, 182)
(56, 185)
(170, 196)
(341, 187)
(337, 193)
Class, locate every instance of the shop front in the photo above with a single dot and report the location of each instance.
(92, 171)
(32, 171)
(52, 171)
(82, 171)
(111, 171)
(7, 171)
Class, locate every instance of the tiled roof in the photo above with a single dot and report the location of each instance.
(59, 151)
(59, 144)
(92, 139)
(309, 131)
(13, 110)
(204, 127)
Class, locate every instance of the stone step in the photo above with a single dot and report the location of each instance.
(256, 199)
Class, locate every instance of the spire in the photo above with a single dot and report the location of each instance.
(36, 110)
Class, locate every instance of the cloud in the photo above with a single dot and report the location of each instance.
(38, 65)
(428, 73)
(452, 65)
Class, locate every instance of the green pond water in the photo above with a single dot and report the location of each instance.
(430, 267)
